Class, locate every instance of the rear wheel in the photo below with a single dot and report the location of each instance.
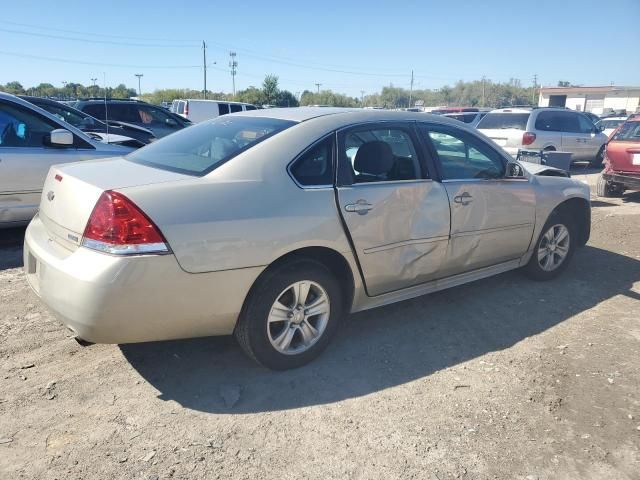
(607, 189)
(597, 162)
(291, 315)
(553, 250)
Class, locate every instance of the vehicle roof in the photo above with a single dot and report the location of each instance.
(49, 101)
(344, 115)
(211, 100)
(613, 118)
(512, 110)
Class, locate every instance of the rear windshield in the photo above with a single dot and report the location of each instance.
(200, 149)
(500, 121)
(463, 117)
(629, 132)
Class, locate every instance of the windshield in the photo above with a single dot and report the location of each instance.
(504, 120)
(200, 149)
(70, 115)
(629, 132)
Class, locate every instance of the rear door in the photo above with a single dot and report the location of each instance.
(396, 215)
(492, 217)
(593, 140)
(574, 140)
(25, 158)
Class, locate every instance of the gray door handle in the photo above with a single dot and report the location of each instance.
(464, 199)
(361, 207)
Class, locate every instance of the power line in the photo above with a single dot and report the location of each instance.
(88, 40)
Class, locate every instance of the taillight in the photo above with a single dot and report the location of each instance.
(118, 226)
(528, 138)
(186, 109)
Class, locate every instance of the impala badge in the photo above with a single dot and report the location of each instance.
(51, 195)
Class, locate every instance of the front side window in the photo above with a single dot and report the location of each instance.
(548, 122)
(150, 115)
(235, 108)
(464, 157)
(569, 122)
(378, 155)
(314, 167)
(586, 125)
(223, 108)
(200, 149)
(21, 128)
(250, 107)
(75, 118)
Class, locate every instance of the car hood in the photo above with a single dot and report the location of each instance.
(543, 170)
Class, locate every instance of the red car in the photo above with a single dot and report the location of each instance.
(622, 160)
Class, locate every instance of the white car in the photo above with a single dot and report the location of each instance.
(546, 129)
(198, 110)
(608, 125)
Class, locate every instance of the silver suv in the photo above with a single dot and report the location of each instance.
(545, 129)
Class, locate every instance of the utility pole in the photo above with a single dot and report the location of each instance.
(94, 80)
(362, 97)
(233, 64)
(535, 85)
(483, 97)
(139, 75)
(411, 89)
(318, 85)
(204, 67)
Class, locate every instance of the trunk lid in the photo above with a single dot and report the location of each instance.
(71, 191)
(624, 156)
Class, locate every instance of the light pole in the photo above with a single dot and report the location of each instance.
(233, 64)
(318, 85)
(64, 89)
(139, 75)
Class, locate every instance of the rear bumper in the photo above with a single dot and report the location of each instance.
(630, 181)
(111, 299)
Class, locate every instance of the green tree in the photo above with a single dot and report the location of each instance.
(270, 88)
(15, 88)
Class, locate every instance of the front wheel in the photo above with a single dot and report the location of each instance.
(597, 161)
(553, 250)
(291, 315)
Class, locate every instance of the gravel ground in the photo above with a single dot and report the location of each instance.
(500, 379)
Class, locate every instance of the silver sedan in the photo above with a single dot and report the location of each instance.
(272, 224)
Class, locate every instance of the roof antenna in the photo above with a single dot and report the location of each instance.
(106, 116)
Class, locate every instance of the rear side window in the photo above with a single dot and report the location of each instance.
(95, 110)
(502, 121)
(548, 122)
(181, 107)
(223, 108)
(200, 149)
(235, 108)
(314, 167)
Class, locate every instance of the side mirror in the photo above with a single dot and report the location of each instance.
(171, 122)
(61, 137)
(514, 170)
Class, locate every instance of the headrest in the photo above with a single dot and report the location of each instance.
(374, 158)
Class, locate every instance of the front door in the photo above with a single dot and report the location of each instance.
(397, 217)
(492, 218)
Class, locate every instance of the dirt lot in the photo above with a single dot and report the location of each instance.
(500, 379)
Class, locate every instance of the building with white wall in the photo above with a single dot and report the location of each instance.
(591, 99)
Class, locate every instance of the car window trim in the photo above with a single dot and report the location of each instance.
(427, 139)
(308, 149)
(408, 126)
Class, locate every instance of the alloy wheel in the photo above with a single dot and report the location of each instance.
(298, 317)
(554, 247)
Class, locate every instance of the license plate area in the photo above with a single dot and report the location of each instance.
(635, 159)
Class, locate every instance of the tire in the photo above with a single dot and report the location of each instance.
(608, 190)
(262, 325)
(534, 269)
(597, 162)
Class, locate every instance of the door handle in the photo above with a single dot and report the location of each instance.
(361, 207)
(464, 199)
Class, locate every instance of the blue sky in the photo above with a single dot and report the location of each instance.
(345, 46)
